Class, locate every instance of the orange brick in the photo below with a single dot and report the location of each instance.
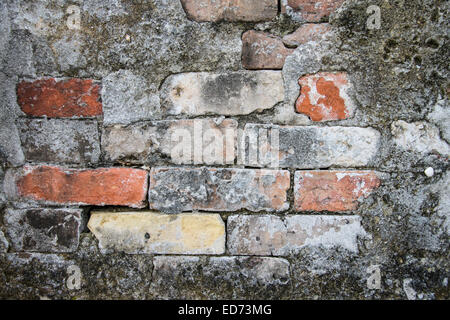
(60, 98)
(332, 190)
(263, 51)
(324, 97)
(230, 10)
(306, 33)
(108, 186)
(315, 10)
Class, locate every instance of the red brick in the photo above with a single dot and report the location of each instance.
(314, 10)
(106, 186)
(306, 33)
(60, 98)
(230, 10)
(332, 190)
(324, 96)
(263, 51)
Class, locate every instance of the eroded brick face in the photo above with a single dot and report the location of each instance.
(44, 230)
(108, 186)
(230, 10)
(174, 190)
(176, 139)
(60, 140)
(223, 93)
(188, 277)
(60, 98)
(263, 51)
(311, 147)
(325, 96)
(277, 236)
(333, 191)
(314, 10)
(305, 33)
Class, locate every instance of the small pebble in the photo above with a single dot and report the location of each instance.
(429, 172)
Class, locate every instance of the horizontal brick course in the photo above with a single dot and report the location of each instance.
(185, 277)
(272, 235)
(154, 233)
(325, 96)
(263, 51)
(105, 186)
(230, 10)
(44, 230)
(174, 190)
(60, 140)
(305, 33)
(225, 93)
(182, 141)
(314, 10)
(332, 190)
(313, 147)
(56, 98)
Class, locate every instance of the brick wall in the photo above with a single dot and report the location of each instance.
(250, 161)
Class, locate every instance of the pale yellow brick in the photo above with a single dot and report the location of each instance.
(155, 233)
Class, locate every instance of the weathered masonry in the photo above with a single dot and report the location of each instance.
(226, 149)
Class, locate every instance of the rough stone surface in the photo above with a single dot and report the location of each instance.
(174, 190)
(318, 147)
(233, 93)
(46, 276)
(178, 140)
(305, 33)
(60, 98)
(420, 137)
(262, 51)
(332, 190)
(19, 58)
(442, 188)
(272, 235)
(44, 230)
(30, 269)
(230, 10)
(220, 278)
(105, 186)
(162, 38)
(60, 141)
(5, 28)
(4, 244)
(440, 115)
(128, 98)
(325, 96)
(10, 150)
(2, 191)
(154, 233)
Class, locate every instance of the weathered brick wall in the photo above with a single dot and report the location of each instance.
(155, 149)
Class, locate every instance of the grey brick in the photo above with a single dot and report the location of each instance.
(44, 230)
(60, 141)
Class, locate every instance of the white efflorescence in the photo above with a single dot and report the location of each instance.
(421, 137)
